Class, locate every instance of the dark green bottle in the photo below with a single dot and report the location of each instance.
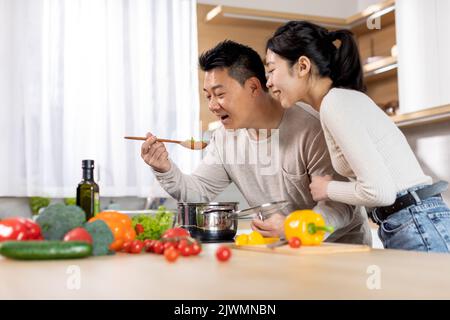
(88, 197)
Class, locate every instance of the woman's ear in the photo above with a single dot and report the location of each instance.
(303, 66)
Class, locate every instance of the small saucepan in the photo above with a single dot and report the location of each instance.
(218, 221)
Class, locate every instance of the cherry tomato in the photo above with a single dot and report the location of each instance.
(223, 253)
(139, 228)
(126, 246)
(158, 247)
(196, 249)
(186, 251)
(176, 232)
(182, 244)
(295, 242)
(168, 245)
(136, 246)
(171, 254)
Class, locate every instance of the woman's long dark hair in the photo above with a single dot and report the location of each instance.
(342, 64)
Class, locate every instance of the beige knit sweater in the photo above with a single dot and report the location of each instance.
(368, 148)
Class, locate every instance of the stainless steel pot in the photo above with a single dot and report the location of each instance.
(209, 222)
(218, 221)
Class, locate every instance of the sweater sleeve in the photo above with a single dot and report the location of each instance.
(208, 180)
(374, 185)
(335, 213)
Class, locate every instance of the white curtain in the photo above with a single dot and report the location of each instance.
(78, 75)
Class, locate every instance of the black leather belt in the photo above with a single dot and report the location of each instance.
(378, 215)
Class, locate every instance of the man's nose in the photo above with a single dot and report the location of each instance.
(213, 105)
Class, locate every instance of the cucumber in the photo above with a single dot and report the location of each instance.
(45, 250)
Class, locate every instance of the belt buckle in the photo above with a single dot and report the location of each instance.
(373, 215)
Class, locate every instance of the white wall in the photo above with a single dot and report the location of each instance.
(363, 4)
(327, 8)
(431, 144)
(423, 39)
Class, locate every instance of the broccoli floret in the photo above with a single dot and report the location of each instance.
(102, 237)
(58, 219)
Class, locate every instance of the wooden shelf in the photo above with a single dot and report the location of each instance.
(257, 18)
(376, 68)
(431, 115)
(272, 19)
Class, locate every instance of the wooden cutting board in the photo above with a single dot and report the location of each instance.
(324, 248)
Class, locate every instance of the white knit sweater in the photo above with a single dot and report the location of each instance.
(368, 148)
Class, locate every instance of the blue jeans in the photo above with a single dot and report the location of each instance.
(424, 226)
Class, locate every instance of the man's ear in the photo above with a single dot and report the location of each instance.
(303, 66)
(254, 84)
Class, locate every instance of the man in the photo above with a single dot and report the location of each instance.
(254, 123)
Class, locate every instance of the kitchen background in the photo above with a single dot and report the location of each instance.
(404, 45)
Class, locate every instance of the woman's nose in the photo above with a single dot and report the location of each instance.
(269, 83)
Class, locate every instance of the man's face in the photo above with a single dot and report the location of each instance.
(231, 102)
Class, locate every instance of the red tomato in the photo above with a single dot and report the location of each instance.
(295, 242)
(139, 228)
(223, 253)
(126, 246)
(196, 249)
(176, 232)
(186, 251)
(168, 245)
(148, 245)
(158, 247)
(182, 243)
(171, 254)
(136, 246)
(78, 234)
(12, 229)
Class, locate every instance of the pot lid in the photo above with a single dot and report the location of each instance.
(263, 211)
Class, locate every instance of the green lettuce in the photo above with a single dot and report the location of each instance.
(154, 225)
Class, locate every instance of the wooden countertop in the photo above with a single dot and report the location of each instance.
(248, 275)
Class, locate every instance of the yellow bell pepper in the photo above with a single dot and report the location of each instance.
(306, 225)
(253, 239)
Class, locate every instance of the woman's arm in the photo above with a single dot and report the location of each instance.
(374, 185)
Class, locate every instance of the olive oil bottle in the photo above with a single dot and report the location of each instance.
(88, 197)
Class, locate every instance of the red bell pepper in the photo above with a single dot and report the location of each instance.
(19, 228)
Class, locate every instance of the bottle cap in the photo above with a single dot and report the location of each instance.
(87, 164)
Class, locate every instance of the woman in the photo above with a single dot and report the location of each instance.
(307, 63)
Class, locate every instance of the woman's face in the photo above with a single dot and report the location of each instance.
(286, 84)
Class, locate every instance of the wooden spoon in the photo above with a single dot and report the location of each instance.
(193, 145)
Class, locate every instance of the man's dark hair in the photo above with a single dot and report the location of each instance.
(242, 62)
